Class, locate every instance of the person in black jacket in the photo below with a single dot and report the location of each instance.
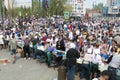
(60, 44)
(72, 55)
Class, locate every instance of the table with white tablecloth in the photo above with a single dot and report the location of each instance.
(102, 66)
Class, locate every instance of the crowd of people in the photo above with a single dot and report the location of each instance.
(95, 40)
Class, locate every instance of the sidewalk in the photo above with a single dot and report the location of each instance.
(25, 69)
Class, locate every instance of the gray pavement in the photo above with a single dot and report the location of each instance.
(25, 69)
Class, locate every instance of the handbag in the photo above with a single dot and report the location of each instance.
(118, 73)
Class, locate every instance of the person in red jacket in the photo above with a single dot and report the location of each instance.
(69, 26)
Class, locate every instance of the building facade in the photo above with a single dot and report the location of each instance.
(113, 6)
(78, 7)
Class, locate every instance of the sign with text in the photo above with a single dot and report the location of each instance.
(66, 15)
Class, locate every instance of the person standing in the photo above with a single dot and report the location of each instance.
(72, 55)
(96, 60)
(34, 44)
(67, 45)
(1, 41)
(114, 65)
(60, 46)
(13, 46)
(6, 40)
(85, 67)
(26, 48)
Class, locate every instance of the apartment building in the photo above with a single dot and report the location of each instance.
(78, 7)
(113, 6)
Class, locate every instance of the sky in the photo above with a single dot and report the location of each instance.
(23, 1)
(90, 2)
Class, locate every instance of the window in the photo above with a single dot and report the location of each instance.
(114, 10)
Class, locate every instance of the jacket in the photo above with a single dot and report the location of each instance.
(72, 55)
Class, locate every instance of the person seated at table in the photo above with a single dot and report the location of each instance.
(85, 67)
(49, 55)
(40, 53)
(96, 60)
(60, 44)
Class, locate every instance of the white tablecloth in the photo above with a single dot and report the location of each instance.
(39, 47)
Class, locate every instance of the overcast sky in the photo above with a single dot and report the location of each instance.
(90, 2)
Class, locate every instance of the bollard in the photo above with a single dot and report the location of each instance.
(62, 73)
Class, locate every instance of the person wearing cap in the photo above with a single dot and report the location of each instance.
(72, 55)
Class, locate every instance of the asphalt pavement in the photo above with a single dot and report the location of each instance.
(24, 69)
